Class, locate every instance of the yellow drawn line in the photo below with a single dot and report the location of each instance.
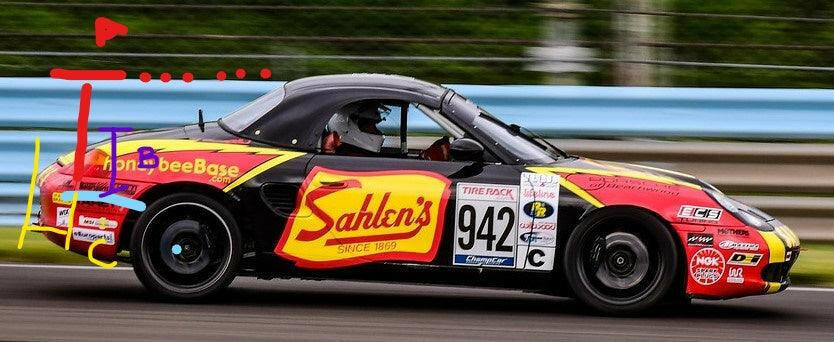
(96, 261)
(35, 228)
(28, 217)
(71, 219)
(26, 227)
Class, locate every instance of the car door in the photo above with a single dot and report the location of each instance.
(398, 208)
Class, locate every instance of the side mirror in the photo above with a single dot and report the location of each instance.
(465, 149)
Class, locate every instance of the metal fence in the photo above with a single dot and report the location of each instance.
(626, 42)
(793, 180)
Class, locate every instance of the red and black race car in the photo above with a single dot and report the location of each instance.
(337, 177)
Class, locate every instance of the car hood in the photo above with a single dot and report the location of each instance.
(601, 167)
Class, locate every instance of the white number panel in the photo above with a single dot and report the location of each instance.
(485, 225)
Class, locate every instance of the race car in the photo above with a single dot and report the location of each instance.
(388, 178)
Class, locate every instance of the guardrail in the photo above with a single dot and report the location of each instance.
(792, 179)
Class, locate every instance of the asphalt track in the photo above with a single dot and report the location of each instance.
(85, 303)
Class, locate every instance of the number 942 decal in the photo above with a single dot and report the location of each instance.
(489, 232)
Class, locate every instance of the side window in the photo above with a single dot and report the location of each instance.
(376, 128)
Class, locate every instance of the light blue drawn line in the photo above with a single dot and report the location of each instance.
(92, 196)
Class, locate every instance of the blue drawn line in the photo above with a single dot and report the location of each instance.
(93, 196)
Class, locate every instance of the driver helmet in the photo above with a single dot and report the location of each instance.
(356, 124)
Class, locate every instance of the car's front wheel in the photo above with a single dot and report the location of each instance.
(185, 246)
(621, 260)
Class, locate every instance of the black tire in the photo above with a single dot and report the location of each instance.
(185, 246)
(608, 269)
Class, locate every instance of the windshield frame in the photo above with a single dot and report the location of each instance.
(508, 139)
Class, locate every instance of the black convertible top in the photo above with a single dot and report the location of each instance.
(296, 116)
(302, 85)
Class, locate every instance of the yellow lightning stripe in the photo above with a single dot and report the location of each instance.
(778, 241)
(659, 169)
(773, 287)
(285, 156)
(581, 193)
(572, 187)
(777, 254)
(775, 245)
(614, 172)
(787, 235)
(177, 145)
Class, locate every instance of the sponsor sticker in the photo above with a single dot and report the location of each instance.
(90, 235)
(538, 209)
(536, 236)
(741, 246)
(744, 259)
(348, 218)
(485, 225)
(733, 231)
(61, 216)
(100, 222)
(735, 275)
(700, 239)
(707, 266)
(56, 198)
(690, 212)
(129, 189)
(198, 166)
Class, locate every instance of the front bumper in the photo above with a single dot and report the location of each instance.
(783, 245)
(730, 262)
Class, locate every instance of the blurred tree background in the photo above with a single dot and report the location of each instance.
(448, 41)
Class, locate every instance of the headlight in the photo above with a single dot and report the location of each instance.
(723, 200)
(750, 216)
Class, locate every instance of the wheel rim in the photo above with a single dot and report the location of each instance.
(624, 263)
(187, 247)
(620, 264)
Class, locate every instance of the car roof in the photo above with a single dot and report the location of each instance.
(347, 81)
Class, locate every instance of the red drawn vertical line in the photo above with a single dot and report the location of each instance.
(81, 138)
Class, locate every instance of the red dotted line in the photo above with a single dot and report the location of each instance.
(188, 77)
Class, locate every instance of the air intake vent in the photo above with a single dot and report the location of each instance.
(280, 197)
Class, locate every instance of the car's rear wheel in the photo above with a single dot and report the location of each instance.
(185, 246)
(621, 260)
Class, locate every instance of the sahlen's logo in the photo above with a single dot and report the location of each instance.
(538, 209)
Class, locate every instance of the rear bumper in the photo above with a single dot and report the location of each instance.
(91, 220)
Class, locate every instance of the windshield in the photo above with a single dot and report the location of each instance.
(245, 116)
(526, 149)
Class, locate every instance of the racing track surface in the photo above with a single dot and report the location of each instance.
(85, 303)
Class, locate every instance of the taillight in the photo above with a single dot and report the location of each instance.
(96, 164)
